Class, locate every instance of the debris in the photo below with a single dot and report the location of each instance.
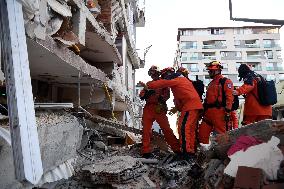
(248, 178)
(116, 169)
(262, 130)
(243, 143)
(115, 140)
(266, 156)
(274, 186)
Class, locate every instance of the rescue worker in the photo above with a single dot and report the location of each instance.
(216, 112)
(156, 110)
(253, 111)
(189, 106)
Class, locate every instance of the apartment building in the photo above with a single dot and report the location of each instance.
(257, 46)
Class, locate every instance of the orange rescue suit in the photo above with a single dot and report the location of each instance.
(190, 106)
(253, 111)
(214, 117)
(156, 110)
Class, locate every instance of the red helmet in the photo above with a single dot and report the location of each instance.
(168, 69)
(153, 70)
(214, 65)
(183, 70)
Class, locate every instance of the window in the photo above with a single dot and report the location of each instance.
(238, 54)
(207, 79)
(255, 66)
(276, 43)
(225, 67)
(238, 31)
(237, 43)
(248, 31)
(268, 54)
(193, 56)
(267, 43)
(278, 54)
(237, 65)
(224, 54)
(184, 56)
(209, 55)
(188, 45)
(252, 43)
(189, 56)
(270, 77)
(281, 77)
(269, 66)
(217, 31)
(191, 67)
(186, 32)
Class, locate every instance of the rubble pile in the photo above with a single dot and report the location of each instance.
(104, 164)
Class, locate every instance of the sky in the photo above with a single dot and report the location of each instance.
(164, 17)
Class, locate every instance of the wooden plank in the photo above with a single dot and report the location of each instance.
(25, 143)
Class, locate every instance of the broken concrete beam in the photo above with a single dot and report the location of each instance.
(60, 136)
(148, 161)
(262, 130)
(115, 140)
(115, 169)
(106, 129)
(69, 57)
(95, 119)
(248, 178)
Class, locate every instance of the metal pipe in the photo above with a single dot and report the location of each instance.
(79, 89)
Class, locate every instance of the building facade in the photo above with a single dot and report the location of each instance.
(257, 46)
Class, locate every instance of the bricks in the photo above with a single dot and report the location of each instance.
(274, 186)
(248, 178)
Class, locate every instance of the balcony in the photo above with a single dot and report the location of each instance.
(213, 46)
(193, 69)
(255, 56)
(274, 69)
(209, 57)
(267, 45)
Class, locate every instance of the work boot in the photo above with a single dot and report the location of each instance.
(188, 156)
(147, 155)
(178, 156)
(195, 172)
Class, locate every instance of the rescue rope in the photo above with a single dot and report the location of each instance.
(109, 98)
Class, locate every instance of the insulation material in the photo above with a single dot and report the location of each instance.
(61, 8)
(266, 156)
(63, 171)
(30, 7)
(6, 135)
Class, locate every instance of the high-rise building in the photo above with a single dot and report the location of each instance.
(257, 46)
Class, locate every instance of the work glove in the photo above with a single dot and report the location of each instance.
(227, 114)
(172, 111)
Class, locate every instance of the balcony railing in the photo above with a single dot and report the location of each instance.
(209, 57)
(194, 69)
(252, 45)
(213, 46)
(257, 56)
(267, 46)
(274, 69)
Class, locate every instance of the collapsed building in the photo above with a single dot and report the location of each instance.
(59, 55)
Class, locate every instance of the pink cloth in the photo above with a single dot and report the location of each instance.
(243, 143)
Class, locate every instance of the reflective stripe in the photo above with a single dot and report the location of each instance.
(183, 125)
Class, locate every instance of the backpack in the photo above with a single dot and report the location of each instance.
(266, 91)
(198, 86)
(235, 105)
